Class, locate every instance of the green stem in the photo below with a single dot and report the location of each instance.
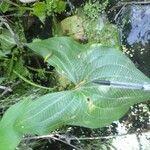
(38, 70)
(31, 83)
(11, 65)
(12, 3)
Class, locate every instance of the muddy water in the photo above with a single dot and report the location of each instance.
(134, 24)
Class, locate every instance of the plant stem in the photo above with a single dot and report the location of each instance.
(31, 83)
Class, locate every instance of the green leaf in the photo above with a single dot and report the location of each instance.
(9, 137)
(61, 5)
(84, 64)
(2, 79)
(55, 6)
(7, 42)
(87, 104)
(4, 6)
(39, 9)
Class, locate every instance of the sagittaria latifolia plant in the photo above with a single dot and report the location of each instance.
(87, 104)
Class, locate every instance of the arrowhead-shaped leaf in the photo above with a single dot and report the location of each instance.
(87, 104)
(97, 105)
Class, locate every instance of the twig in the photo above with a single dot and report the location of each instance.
(83, 138)
(5, 88)
(12, 3)
(52, 136)
(120, 4)
(64, 139)
(117, 15)
(15, 15)
(39, 137)
(8, 89)
(58, 139)
(134, 2)
(124, 4)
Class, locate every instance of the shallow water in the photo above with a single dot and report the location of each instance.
(134, 24)
(140, 25)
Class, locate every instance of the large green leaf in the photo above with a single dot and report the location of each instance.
(83, 64)
(87, 104)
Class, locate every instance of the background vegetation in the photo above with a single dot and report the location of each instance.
(24, 73)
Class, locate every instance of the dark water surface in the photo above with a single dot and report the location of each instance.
(134, 23)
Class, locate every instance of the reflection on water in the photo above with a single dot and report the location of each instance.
(140, 25)
(134, 22)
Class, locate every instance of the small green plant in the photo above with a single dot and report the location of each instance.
(93, 8)
(40, 9)
(85, 104)
(49, 7)
(11, 48)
